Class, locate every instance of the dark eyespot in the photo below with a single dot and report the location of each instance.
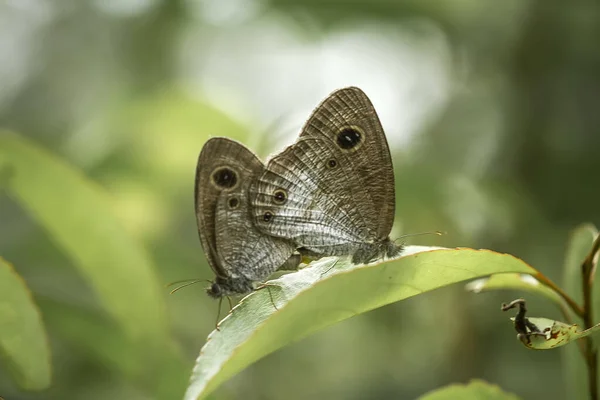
(332, 163)
(233, 202)
(348, 138)
(280, 196)
(267, 216)
(224, 177)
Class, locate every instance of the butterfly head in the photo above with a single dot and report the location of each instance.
(215, 290)
(229, 286)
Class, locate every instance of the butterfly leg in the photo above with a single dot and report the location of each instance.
(267, 286)
(218, 314)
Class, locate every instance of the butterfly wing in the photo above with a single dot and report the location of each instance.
(233, 245)
(337, 180)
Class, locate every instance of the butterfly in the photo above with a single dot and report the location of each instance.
(332, 192)
(237, 251)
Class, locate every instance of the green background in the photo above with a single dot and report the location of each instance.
(490, 108)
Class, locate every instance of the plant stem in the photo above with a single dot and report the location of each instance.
(588, 270)
(589, 352)
(591, 355)
(576, 308)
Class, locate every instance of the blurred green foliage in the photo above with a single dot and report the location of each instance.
(490, 108)
(475, 389)
(23, 342)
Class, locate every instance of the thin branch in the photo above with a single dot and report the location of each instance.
(588, 270)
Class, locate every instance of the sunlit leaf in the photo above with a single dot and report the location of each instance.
(476, 390)
(77, 216)
(514, 282)
(579, 245)
(23, 344)
(326, 292)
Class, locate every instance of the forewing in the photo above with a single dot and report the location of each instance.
(338, 178)
(233, 245)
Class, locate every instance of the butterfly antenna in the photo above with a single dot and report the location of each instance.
(439, 233)
(183, 283)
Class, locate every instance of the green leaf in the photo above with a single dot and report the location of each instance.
(76, 214)
(97, 336)
(328, 291)
(23, 343)
(515, 282)
(556, 333)
(578, 247)
(476, 390)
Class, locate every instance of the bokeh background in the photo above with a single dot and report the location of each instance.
(490, 108)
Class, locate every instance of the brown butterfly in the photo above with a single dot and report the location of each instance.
(239, 253)
(332, 192)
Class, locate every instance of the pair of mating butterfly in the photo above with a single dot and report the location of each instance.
(329, 194)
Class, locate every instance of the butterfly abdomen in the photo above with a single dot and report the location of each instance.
(368, 252)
